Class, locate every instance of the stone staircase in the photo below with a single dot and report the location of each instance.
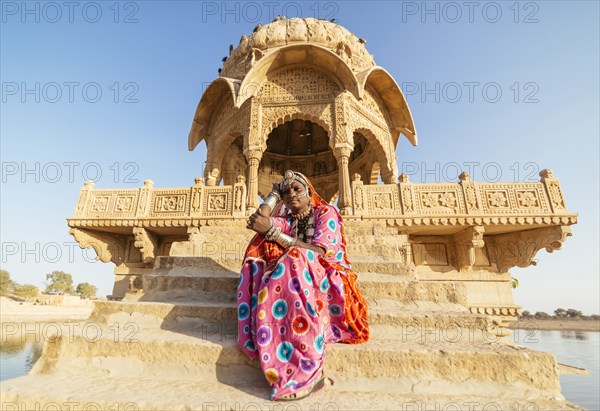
(173, 346)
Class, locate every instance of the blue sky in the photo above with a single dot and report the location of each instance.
(505, 88)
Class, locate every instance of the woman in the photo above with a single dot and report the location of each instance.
(296, 291)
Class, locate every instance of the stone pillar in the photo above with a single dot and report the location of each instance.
(83, 196)
(197, 197)
(253, 156)
(342, 154)
(553, 190)
(358, 198)
(145, 199)
(406, 194)
(472, 201)
(239, 196)
(211, 170)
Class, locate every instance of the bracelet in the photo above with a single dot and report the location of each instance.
(270, 232)
(285, 240)
(272, 199)
(274, 234)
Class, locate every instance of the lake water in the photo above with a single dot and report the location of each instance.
(580, 349)
(577, 348)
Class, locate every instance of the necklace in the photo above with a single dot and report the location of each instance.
(303, 225)
(303, 214)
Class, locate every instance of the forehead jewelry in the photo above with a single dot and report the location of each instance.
(289, 177)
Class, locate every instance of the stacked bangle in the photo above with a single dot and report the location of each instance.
(275, 234)
(272, 199)
(269, 233)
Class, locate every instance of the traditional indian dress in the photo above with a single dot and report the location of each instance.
(292, 302)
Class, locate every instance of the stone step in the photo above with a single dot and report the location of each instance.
(382, 286)
(388, 319)
(228, 242)
(385, 365)
(190, 282)
(230, 265)
(239, 389)
(161, 286)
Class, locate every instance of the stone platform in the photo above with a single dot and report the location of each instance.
(172, 346)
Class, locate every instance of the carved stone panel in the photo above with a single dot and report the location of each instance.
(439, 199)
(218, 201)
(169, 203)
(112, 203)
(430, 254)
(505, 198)
(297, 85)
(124, 204)
(382, 200)
(100, 204)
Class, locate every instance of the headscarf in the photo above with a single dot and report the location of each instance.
(356, 306)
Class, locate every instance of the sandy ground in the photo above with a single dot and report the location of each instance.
(558, 325)
(28, 312)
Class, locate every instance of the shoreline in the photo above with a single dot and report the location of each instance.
(556, 325)
(27, 312)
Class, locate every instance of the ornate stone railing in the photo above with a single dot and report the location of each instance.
(465, 231)
(464, 202)
(198, 201)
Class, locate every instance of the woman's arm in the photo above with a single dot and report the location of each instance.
(328, 235)
(308, 246)
(260, 221)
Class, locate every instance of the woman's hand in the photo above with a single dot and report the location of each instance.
(260, 221)
(276, 188)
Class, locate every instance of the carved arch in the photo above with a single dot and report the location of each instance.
(207, 105)
(224, 147)
(297, 54)
(273, 117)
(394, 100)
(375, 139)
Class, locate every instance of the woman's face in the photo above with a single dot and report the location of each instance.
(295, 198)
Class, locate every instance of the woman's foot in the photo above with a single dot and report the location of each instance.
(317, 386)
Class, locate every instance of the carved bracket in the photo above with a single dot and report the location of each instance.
(519, 249)
(108, 247)
(465, 243)
(147, 242)
(405, 249)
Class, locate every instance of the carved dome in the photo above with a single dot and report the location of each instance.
(285, 32)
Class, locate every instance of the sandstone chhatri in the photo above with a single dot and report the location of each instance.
(433, 259)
